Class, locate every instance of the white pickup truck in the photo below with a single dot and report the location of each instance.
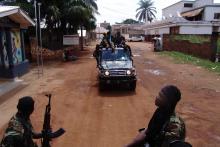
(136, 39)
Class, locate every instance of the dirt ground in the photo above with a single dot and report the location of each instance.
(113, 117)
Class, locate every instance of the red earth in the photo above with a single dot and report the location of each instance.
(112, 118)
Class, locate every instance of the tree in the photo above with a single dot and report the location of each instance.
(92, 4)
(68, 14)
(130, 21)
(62, 16)
(146, 11)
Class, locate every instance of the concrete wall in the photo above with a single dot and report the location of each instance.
(209, 13)
(196, 45)
(200, 3)
(218, 45)
(193, 29)
(164, 30)
(132, 29)
(175, 10)
(158, 31)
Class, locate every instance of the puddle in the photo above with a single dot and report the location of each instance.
(156, 72)
(136, 55)
(214, 136)
(57, 82)
(193, 109)
(18, 80)
(148, 62)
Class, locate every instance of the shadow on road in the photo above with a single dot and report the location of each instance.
(116, 91)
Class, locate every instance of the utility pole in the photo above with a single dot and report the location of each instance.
(81, 38)
(38, 37)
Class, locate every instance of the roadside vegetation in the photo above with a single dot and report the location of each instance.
(61, 17)
(181, 58)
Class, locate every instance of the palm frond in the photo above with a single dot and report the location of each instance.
(146, 11)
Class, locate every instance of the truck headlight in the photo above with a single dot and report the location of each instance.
(107, 73)
(128, 72)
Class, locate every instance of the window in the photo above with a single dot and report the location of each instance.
(217, 16)
(123, 31)
(188, 5)
(174, 30)
(117, 55)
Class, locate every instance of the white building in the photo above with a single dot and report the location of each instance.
(176, 9)
(128, 30)
(187, 17)
(99, 32)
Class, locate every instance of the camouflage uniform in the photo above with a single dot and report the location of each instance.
(18, 133)
(173, 130)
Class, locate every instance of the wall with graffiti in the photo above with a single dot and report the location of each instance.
(4, 51)
(16, 46)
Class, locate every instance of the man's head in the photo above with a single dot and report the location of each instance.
(118, 34)
(168, 96)
(108, 33)
(26, 105)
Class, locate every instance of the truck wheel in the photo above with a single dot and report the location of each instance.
(132, 86)
(101, 86)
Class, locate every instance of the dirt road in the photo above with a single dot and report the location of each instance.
(112, 118)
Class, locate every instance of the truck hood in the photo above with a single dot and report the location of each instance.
(116, 64)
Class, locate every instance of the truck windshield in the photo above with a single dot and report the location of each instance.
(118, 55)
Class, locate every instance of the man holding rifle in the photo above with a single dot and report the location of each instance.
(20, 133)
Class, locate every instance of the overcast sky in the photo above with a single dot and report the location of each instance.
(118, 10)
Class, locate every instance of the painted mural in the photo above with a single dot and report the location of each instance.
(5, 54)
(16, 46)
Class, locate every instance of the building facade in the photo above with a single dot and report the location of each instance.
(105, 25)
(13, 23)
(128, 30)
(189, 19)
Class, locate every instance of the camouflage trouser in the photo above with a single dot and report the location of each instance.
(12, 142)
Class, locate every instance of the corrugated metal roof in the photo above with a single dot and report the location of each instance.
(7, 8)
(17, 15)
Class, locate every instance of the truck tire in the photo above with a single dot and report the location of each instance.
(132, 86)
(101, 86)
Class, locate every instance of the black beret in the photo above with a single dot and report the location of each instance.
(25, 104)
(172, 93)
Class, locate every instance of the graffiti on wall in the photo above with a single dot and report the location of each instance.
(16, 46)
(5, 54)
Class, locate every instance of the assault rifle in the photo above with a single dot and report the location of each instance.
(47, 133)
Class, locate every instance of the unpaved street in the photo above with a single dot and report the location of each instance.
(113, 117)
